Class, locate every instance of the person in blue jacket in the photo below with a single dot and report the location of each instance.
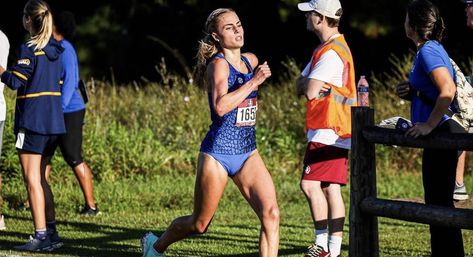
(73, 107)
(38, 118)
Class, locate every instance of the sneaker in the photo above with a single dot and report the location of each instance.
(316, 251)
(147, 242)
(56, 241)
(87, 211)
(35, 244)
(459, 194)
(2, 223)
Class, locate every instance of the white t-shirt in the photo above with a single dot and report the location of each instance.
(4, 49)
(329, 69)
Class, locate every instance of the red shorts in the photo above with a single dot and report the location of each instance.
(325, 163)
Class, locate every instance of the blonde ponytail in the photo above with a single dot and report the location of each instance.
(207, 49)
(208, 46)
(41, 22)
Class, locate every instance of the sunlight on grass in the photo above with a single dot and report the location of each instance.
(142, 143)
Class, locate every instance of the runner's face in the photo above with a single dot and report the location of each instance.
(230, 33)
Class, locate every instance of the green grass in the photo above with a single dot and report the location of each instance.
(141, 143)
(134, 206)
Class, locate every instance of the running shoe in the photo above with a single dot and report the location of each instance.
(316, 251)
(460, 194)
(35, 245)
(88, 211)
(147, 242)
(56, 241)
(2, 223)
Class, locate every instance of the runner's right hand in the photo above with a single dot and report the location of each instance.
(261, 74)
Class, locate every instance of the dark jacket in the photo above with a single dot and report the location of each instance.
(36, 77)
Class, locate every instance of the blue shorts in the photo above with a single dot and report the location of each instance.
(33, 142)
(231, 163)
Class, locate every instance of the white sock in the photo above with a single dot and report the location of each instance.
(321, 238)
(335, 245)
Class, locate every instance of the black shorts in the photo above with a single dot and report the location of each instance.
(33, 142)
(71, 142)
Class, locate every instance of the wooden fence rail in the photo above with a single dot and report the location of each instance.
(365, 207)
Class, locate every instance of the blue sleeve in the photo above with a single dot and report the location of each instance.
(431, 58)
(69, 77)
(18, 75)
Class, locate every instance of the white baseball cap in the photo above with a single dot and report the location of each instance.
(327, 8)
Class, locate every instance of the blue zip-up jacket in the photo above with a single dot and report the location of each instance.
(36, 77)
(71, 98)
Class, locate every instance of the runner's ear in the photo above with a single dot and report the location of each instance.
(214, 36)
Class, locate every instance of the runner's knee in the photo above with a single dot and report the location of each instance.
(271, 214)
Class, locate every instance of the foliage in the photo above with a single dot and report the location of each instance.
(157, 129)
(142, 143)
(387, 104)
(118, 37)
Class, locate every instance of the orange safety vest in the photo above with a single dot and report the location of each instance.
(334, 111)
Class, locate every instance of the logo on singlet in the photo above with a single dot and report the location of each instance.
(240, 80)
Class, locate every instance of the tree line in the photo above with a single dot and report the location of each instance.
(127, 39)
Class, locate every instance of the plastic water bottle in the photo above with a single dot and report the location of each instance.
(363, 92)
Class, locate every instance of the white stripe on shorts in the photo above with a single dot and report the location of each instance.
(20, 139)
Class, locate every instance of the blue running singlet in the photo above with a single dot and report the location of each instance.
(234, 133)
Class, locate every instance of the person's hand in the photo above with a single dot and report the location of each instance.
(261, 74)
(2, 70)
(325, 88)
(403, 90)
(419, 129)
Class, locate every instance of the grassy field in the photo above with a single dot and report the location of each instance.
(142, 142)
(136, 205)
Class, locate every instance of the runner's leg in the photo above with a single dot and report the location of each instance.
(256, 185)
(209, 186)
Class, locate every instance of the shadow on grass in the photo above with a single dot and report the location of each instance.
(283, 251)
(117, 241)
(123, 241)
(403, 252)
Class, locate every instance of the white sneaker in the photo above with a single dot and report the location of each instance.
(459, 194)
(2, 223)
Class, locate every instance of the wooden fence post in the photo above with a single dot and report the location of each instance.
(363, 241)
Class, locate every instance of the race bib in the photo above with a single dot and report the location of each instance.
(246, 113)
